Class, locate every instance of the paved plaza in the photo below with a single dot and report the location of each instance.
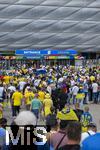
(94, 109)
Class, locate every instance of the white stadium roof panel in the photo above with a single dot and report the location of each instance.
(54, 24)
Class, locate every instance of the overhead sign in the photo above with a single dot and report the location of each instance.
(63, 57)
(45, 52)
(59, 57)
(33, 57)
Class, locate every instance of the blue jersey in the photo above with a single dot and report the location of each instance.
(86, 118)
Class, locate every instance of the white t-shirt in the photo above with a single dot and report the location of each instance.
(37, 82)
(98, 76)
(72, 82)
(49, 89)
(22, 84)
(1, 91)
(60, 80)
(12, 88)
(95, 87)
(75, 90)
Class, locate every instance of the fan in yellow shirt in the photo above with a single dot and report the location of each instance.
(92, 78)
(29, 95)
(80, 96)
(7, 79)
(41, 96)
(16, 102)
(17, 97)
(47, 103)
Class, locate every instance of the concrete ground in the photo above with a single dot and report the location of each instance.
(94, 109)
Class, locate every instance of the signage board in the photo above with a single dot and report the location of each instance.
(33, 57)
(52, 57)
(45, 52)
(59, 57)
(63, 57)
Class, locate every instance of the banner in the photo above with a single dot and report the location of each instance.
(45, 52)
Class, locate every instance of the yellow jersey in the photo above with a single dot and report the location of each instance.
(47, 105)
(92, 78)
(28, 97)
(6, 79)
(80, 96)
(17, 98)
(41, 95)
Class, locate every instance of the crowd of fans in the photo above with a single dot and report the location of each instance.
(57, 95)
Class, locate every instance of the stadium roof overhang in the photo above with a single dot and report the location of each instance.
(50, 24)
